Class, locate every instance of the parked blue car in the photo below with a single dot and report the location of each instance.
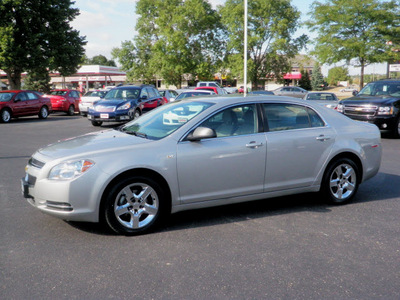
(123, 104)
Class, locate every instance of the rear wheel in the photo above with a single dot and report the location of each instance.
(71, 110)
(5, 116)
(134, 205)
(96, 123)
(340, 182)
(43, 113)
(396, 128)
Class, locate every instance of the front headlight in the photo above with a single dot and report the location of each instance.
(124, 107)
(70, 170)
(339, 108)
(385, 110)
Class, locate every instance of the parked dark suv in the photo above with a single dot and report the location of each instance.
(378, 103)
(123, 103)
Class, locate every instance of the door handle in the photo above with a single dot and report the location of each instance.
(322, 138)
(254, 145)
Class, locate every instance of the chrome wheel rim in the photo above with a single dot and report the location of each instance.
(44, 112)
(343, 181)
(136, 115)
(136, 205)
(6, 116)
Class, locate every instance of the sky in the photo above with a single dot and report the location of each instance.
(107, 23)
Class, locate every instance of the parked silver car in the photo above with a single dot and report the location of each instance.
(328, 99)
(202, 152)
(291, 91)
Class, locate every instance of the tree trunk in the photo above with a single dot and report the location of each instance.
(14, 79)
(362, 74)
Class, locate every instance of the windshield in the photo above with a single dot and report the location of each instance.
(381, 89)
(58, 93)
(95, 94)
(122, 94)
(164, 120)
(4, 97)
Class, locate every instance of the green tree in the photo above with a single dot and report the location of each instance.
(100, 60)
(37, 34)
(174, 37)
(38, 80)
(317, 79)
(305, 81)
(271, 27)
(356, 31)
(336, 74)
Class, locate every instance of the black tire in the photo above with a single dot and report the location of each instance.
(71, 110)
(135, 205)
(43, 113)
(5, 116)
(96, 123)
(396, 128)
(136, 114)
(340, 181)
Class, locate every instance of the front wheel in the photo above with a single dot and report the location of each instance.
(96, 123)
(44, 112)
(136, 114)
(71, 110)
(396, 128)
(134, 205)
(5, 116)
(340, 182)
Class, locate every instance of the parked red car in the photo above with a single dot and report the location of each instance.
(21, 103)
(154, 98)
(65, 100)
(215, 89)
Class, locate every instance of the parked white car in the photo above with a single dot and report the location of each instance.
(89, 98)
(223, 150)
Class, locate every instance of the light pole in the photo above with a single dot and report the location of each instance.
(245, 49)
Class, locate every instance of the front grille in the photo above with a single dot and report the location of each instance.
(360, 110)
(100, 108)
(35, 163)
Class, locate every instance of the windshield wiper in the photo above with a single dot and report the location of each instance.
(135, 133)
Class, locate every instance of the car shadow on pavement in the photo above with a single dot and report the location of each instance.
(51, 118)
(373, 190)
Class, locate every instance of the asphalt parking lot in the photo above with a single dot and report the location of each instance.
(283, 248)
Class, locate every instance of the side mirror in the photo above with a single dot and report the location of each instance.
(355, 93)
(144, 97)
(201, 133)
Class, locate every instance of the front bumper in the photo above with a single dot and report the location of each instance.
(108, 117)
(73, 200)
(383, 122)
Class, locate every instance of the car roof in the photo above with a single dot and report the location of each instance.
(226, 100)
(321, 93)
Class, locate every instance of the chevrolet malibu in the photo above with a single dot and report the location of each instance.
(200, 153)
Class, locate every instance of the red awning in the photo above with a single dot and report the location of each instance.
(293, 75)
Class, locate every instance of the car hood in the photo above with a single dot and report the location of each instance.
(91, 143)
(89, 98)
(371, 100)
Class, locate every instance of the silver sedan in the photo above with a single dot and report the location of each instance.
(199, 153)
